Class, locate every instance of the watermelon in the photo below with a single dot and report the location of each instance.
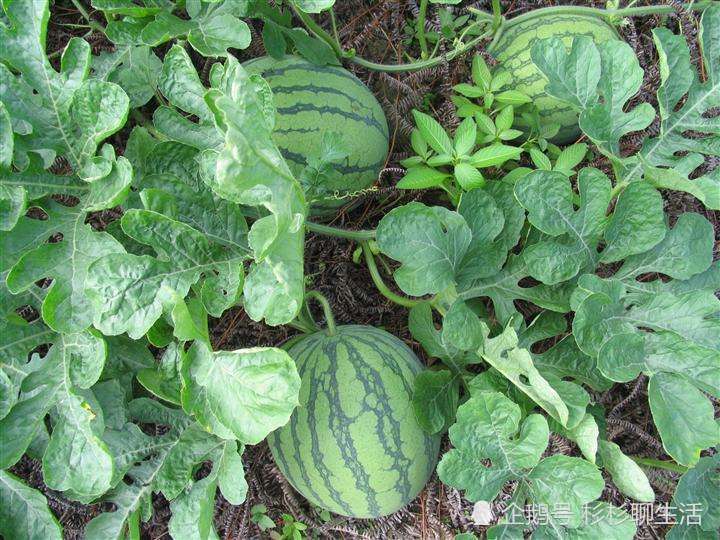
(512, 51)
(311, 100)
(353, 446)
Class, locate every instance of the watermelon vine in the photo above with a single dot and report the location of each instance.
(147, 190)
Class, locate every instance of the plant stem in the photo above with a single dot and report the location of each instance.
(91, 22)
(421, 64)
(496, 14)
(318, 31)
(329, 319)
(358, 236)
(598, 12)
(420, 28)
(618, 189)
(334, 25)
(659, 464)
(380, 284)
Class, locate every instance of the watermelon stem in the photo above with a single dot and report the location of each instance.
(420, 29)
(608, 14)
(380, 284)
(327, 311)
(320, 33)
(358, 236)
(659, 464)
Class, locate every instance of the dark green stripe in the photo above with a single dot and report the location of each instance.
(310, 347)
(327, 109)
(301, 160)
(288, 90)
(373, 383)
(311, 68)
(320, 384)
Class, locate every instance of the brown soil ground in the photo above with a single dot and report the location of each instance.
(374, 29)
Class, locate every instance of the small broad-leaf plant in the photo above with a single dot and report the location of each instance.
(103, 255)
(621, 289)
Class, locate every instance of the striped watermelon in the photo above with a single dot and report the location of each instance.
(353, 445)
(512, 51)
(311, 100)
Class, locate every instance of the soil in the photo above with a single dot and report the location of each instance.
(374, 29)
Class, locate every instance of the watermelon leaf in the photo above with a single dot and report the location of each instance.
(245, 394)
(489, 428)
(695, 498)
(313, 6)
(614, 329)
(578, 77)
(435, 399)
(679, 79)
(24, 512)
(131, 292)
(250, 170)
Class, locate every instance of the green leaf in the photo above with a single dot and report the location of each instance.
(503, 288)
(684, 416)
(462, 328)
(572, 76)
(494, 155)
(584, 434)
(76, 458)
(66, 307)
(674, 339)
(570, 158)
(312, 49)
(435, 399)
(422, 177)
(429, 241)
(465, 135)
(696, 500)
(161, 464)
(468, 176)
(685, 251)
(422, 328)
(217, 33)
(60, 113)
(246, 393)
(566, 480)
(574, 234)
(495, 220)
(313, 6)
(250, 170)
(134, 68)
(24, 513)
(516, 365)
(540, 160)
(487, 429)
(480, 72)
(131, 292)
(609, 69)
(679, 79)
(433, 133)
(637, 224)
(626, 474)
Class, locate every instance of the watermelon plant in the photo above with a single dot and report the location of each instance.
(147, 190)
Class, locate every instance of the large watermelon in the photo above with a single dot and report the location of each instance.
(512, 51)
(353, 445)
(311, 100)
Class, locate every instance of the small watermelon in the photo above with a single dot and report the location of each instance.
(311, 100)
(512, 51)
(353, 446)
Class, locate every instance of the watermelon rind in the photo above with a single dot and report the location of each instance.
(353, 445)
(311, 100)
(512, 51)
